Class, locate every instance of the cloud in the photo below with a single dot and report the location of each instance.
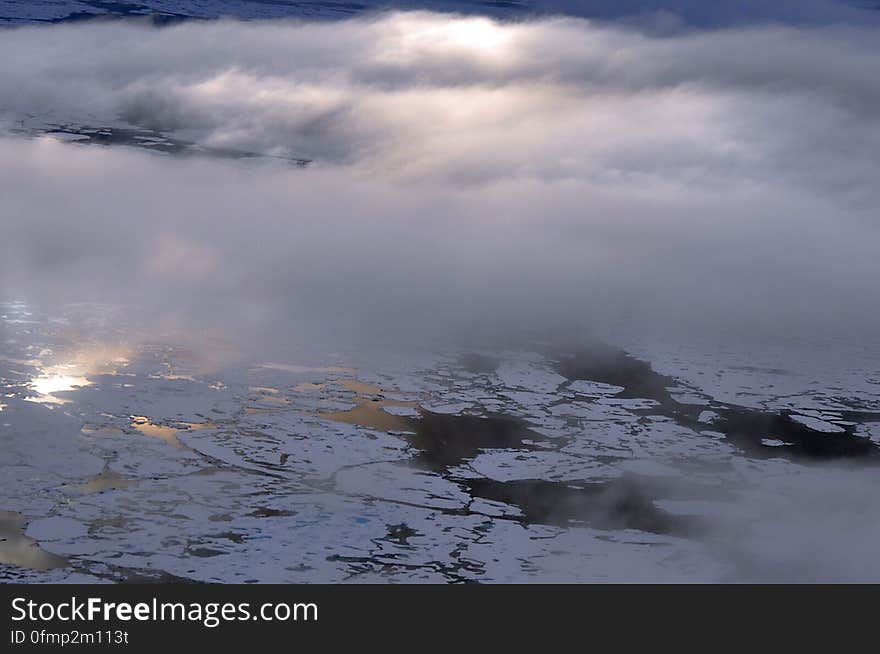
(818, 525)
(467, 173)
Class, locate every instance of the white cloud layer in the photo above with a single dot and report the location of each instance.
(466, 172)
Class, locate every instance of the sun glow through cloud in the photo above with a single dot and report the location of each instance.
(478, 34)
(415, 36)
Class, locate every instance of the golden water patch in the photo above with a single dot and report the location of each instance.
(18, 549)
(359, 387)
(369, 412)
(106, 480)
(308, 387)
(370, 415)
(146, 426)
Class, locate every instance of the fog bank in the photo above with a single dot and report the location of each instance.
(466, 174)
